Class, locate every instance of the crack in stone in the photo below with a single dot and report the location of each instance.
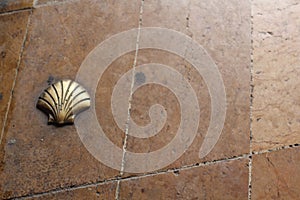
(251, 103)
(117, 194)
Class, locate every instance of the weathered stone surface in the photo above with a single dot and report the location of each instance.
(100, 192)
(38, 157)
(223, 30)
(275, 175)
(276, 69)
(12, 32)
(226, 180)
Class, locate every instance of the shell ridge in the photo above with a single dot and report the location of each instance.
(50, 106)
(68, 113)
(58, 99)
(53, 103)
(71, 97)
(74, 99)
(62, 95)
(56, 94)
(66, 95)
(73, 105)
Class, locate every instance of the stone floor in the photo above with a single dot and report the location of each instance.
(256, 47)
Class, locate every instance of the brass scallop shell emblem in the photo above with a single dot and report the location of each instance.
(62, 101)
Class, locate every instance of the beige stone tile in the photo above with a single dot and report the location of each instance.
(100, 192)
(224, 31)
(10, 5)
(276, 111)
(166, 14)
(12, 31)
(151, 94)
(226, 180)
(104, 92)
(275, 175)
(39, 157)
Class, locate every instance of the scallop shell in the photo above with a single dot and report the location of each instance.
(62, 101)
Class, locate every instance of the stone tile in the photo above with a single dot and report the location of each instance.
(38, 157)
(12, 31)
(13, 28)
(223, 29)
(104, 92)
(151, 94)
(104, 192)
(10, 5)
(225, 34)
(276, 40)
(275, 175)
(226, 180)
(166, 14)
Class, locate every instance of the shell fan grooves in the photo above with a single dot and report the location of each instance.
(62, 101)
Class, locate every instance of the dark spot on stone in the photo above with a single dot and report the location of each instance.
(50, 80)
(176, 172)
(258, 119)
(1, 96)
(269, 32)
(3, 54)
(142, 190)
(14, 35)
(139, 78)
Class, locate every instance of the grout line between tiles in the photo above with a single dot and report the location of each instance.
(16, 11)
(15, 77)
(117, 193)
(251, 103)
(118, 179)
(187, 29)
(275, 149)
(186, 167)
(166, 171)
